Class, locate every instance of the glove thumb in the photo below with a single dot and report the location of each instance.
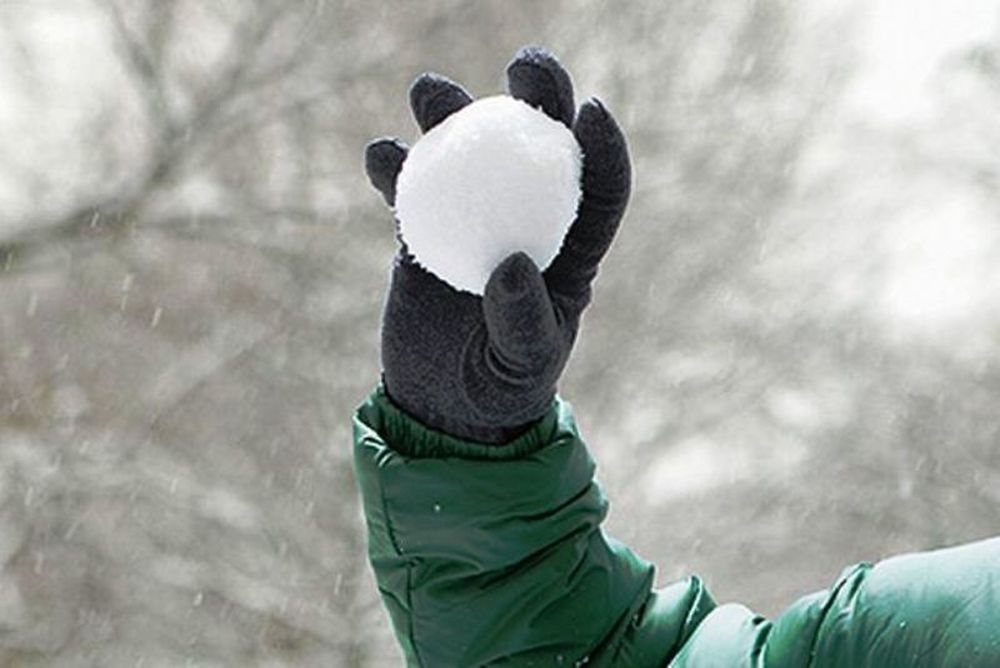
(524, 337)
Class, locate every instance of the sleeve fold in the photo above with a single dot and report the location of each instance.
(495, 556)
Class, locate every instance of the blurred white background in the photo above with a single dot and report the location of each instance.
(791, 362)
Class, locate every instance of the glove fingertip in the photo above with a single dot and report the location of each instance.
(513, 277)
(607, 170)
(434, 97)
(595, 126)
(383, 161)
(537, 77)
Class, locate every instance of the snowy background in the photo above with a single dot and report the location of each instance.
(791, 363)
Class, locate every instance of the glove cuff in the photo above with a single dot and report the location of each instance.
(492, 436)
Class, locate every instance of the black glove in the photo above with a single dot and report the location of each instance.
(485, 368)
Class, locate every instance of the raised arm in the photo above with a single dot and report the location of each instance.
(483, 512)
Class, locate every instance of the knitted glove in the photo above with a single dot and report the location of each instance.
(485, 368)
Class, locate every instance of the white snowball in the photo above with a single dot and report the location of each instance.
(496, 177)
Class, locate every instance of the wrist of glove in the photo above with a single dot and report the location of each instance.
(485, 368)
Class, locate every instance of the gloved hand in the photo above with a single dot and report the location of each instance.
(485, 368)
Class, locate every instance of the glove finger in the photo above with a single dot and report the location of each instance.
(536, 77)
(606, 168)
(434, 97)
(524, 337)
(383, 161)
(606, 187)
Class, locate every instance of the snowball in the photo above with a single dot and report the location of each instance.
(495, 177)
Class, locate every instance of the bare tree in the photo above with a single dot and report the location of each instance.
(186, 328)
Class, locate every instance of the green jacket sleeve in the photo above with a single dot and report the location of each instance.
(938, 609)
(495, 556)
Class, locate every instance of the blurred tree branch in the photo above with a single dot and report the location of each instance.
(236, 88)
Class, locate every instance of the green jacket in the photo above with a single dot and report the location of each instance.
(495, 556)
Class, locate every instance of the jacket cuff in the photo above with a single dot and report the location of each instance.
(409, 437)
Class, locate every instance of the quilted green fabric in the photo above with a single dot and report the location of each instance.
(494, 556)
